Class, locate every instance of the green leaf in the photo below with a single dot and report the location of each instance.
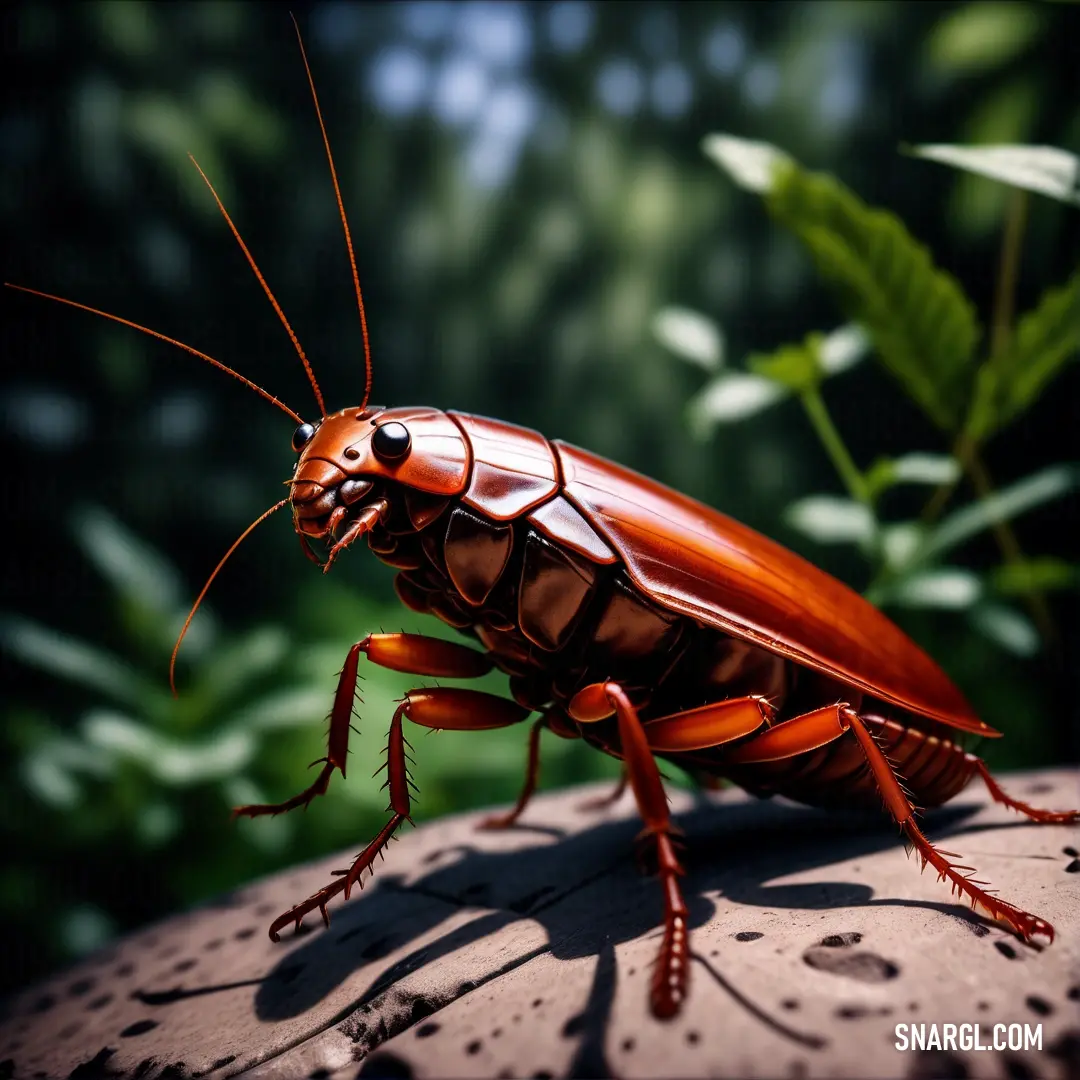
(1005, 627)
(1042, 169)
(843, 348)
(691, 336)
(50, 782)
(147, 584)
(1042, 574)
(754, 166)
(1046, 339)
(132, 567)
(899, 544)
(170, 761)
(817, 356)
(296, 707)
(1006, 113)
(832, 519)
(239, 662)
(980, 37)
(167, 131)
(1032, 491)
(912, 468)
(795, 367)
(948, 588)
(732, 396)
(74, 660)
(922, 324)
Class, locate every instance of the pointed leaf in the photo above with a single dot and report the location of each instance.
(843, 348)
(1046, 339)
(831, 519)
(691, 336)
(1032, 491)
(1043, 169)
(752, 165)
(922, 324)
(926, 469)
(1006, 627)
(948, 588)
(816, 357)
(729, 397)
(915, 468)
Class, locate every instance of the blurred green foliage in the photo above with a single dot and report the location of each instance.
(526, 189)
(922, 328)
(153, 778)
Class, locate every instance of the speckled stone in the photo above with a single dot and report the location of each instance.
(527, 953)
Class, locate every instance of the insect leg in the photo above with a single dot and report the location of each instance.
(1045, 817)
(710, 725)
(436, 708)
(959, 877)
(602, 802)
(669, 981)
(532, 774)
(412, 653)
(822, 726)
(697, 729)
(797, 735)
(556, 721)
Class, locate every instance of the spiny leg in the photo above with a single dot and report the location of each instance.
(411, 653)
(959, 877)
(596, 702)
(1044, 817)
(693, 729)
(822, 726)
(440, 708)
(698, 729)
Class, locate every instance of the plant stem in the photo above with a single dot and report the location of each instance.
(831, 439)
(1008, 273)
(964, 450)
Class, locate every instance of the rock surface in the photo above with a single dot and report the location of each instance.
(527, 953)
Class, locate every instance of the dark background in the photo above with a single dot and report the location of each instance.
(526, 190)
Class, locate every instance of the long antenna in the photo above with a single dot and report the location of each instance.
(344, 220)
(266, 288)
(209, 581)
(162, 337)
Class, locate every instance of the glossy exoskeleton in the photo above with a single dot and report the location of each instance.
(625, 614)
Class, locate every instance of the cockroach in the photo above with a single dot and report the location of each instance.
(625, 614)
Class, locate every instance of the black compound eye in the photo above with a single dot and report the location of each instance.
(302, 436)
(391, 441)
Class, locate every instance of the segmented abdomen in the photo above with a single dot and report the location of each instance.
(513, 562)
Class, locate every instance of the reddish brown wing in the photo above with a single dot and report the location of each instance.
(697, 561)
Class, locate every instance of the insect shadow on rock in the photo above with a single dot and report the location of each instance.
(624, 613)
